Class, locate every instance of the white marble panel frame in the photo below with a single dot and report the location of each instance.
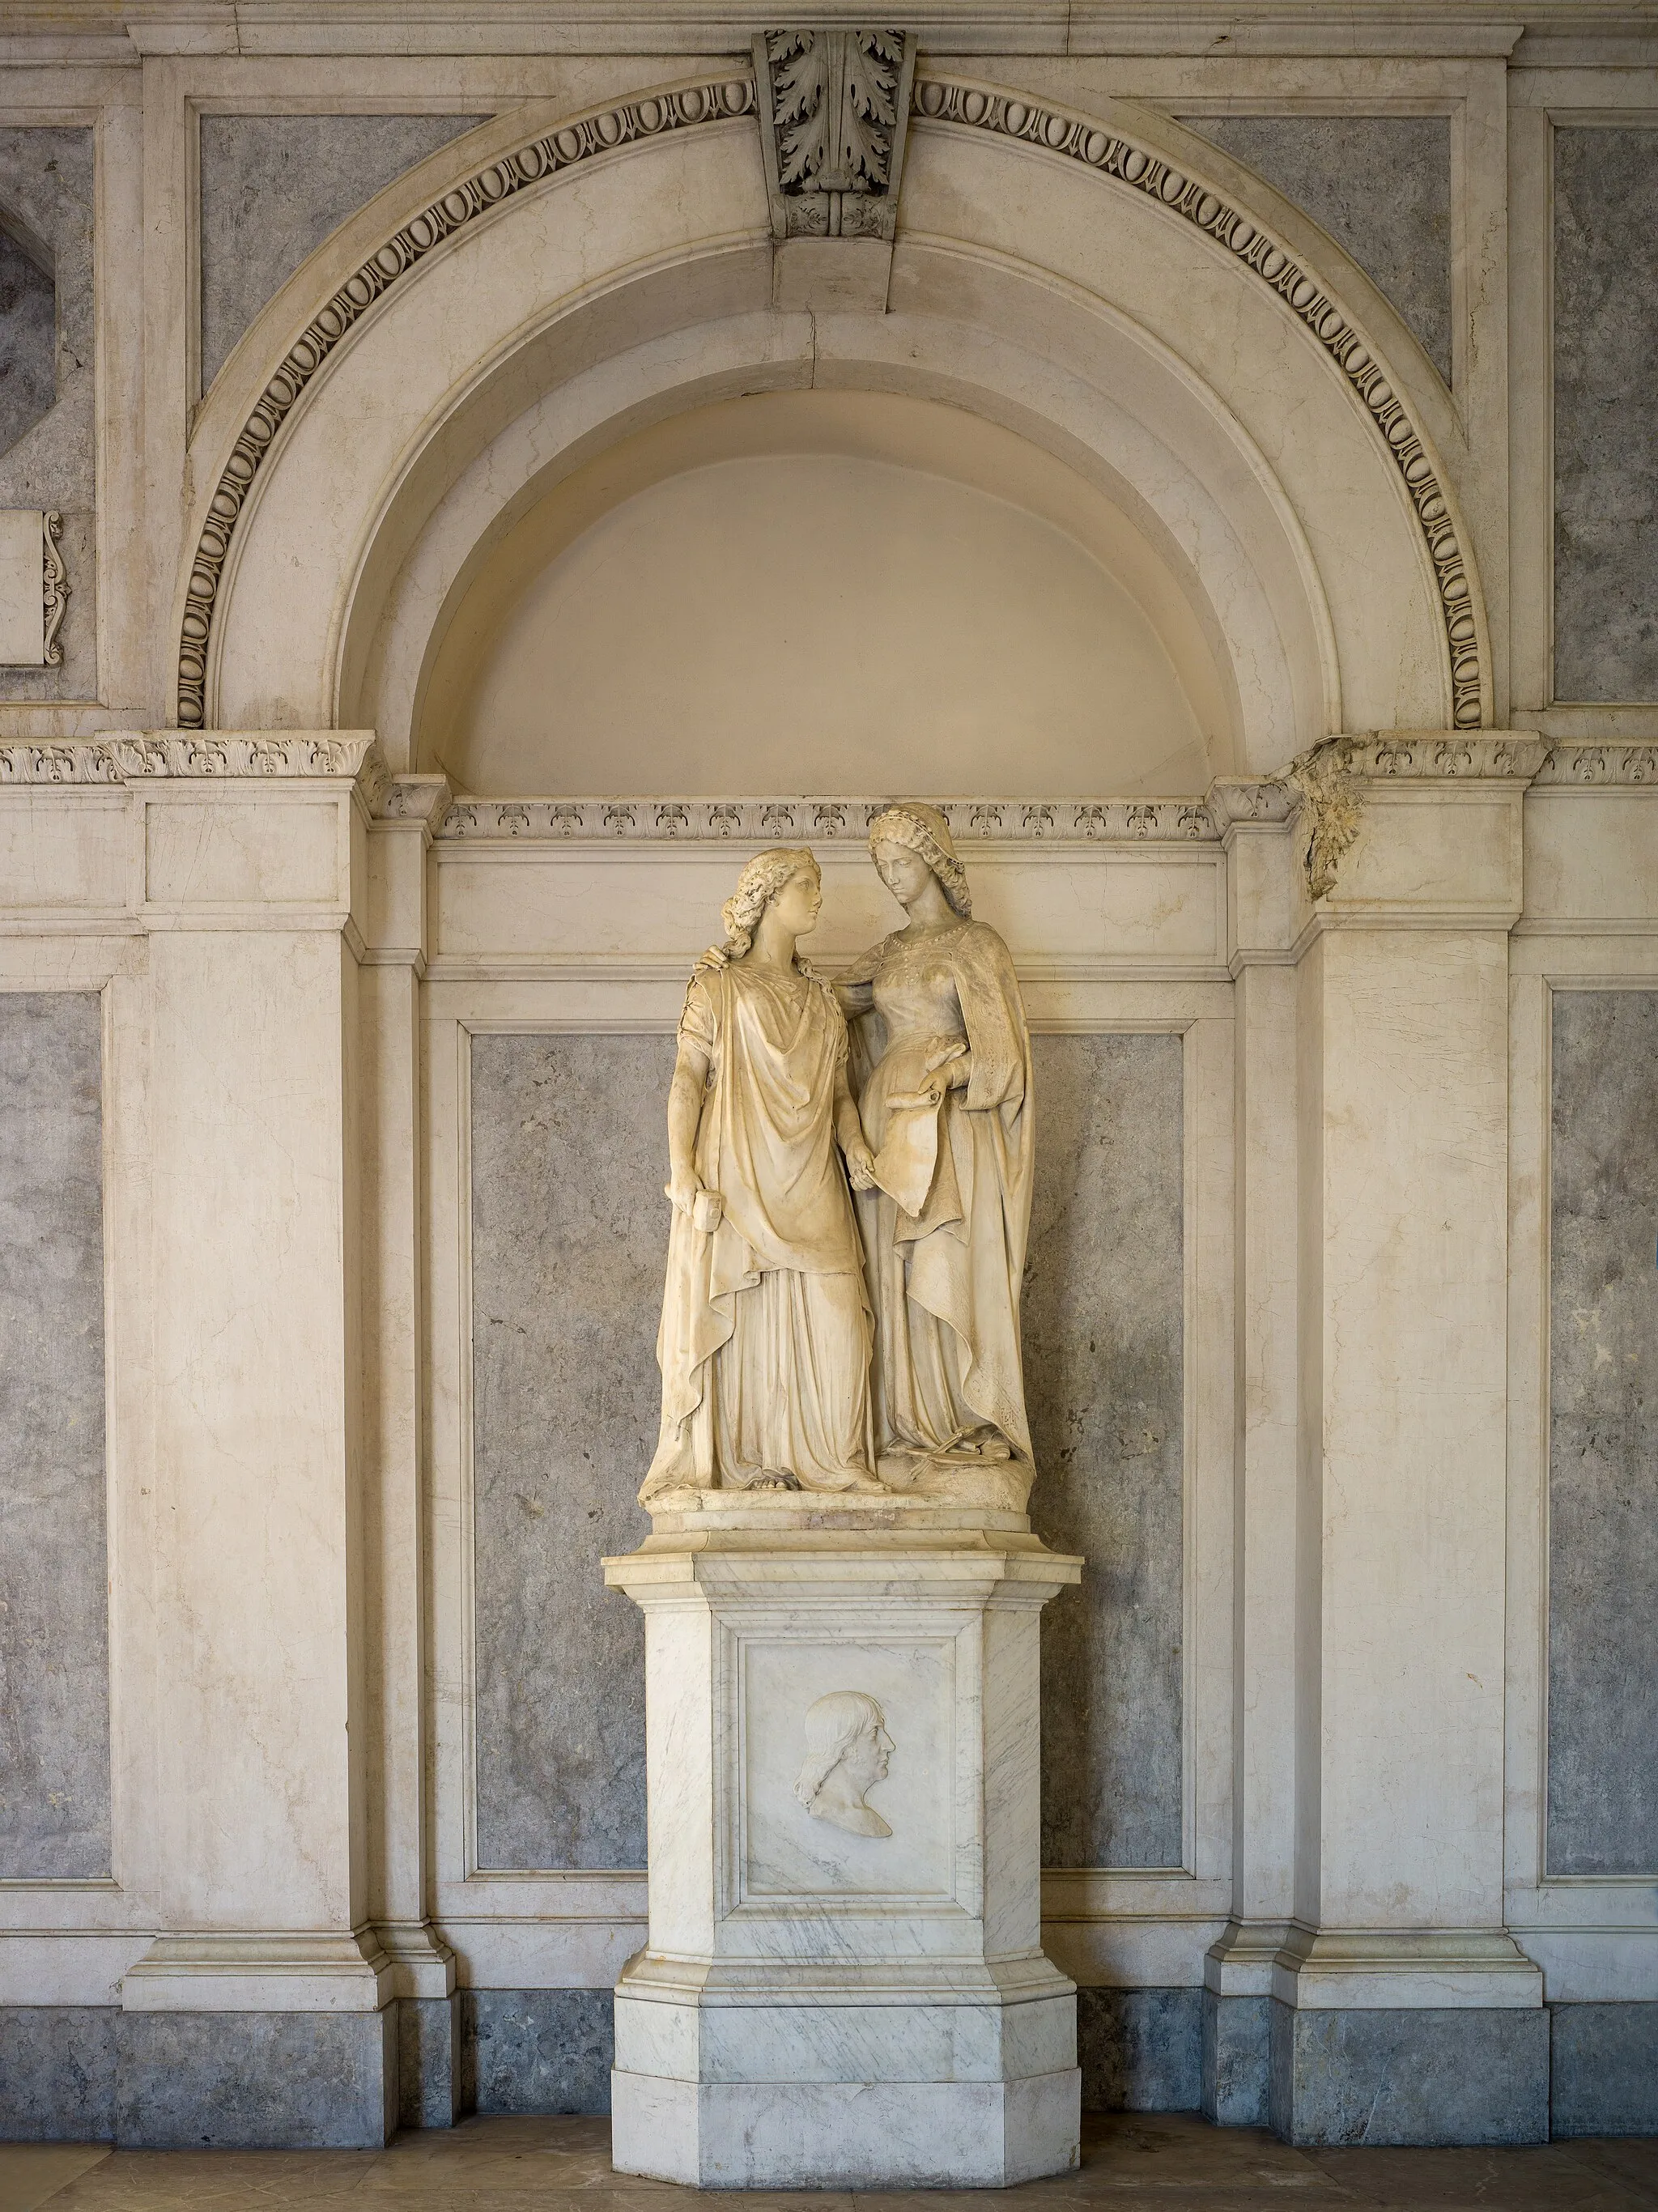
(954, 1636)
(590, 1912)
(67, 1941)
(1130, 1928)
(1594, 1935)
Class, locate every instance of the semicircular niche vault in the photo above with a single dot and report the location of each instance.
(832, 591)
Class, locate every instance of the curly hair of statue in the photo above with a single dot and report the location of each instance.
(756, 887)
(924, 830)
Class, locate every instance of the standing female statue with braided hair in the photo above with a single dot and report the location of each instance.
(764, 1345)
(944, 1055)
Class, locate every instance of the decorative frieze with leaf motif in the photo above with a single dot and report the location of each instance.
(830, 821)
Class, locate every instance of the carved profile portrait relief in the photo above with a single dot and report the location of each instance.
(847, 1748)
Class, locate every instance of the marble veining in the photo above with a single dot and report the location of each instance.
(48, 348)
(1381, 184)
(1103, 1352)
(1603, 1436)
(54, 1639)
(1605, 414)
(568, 1220)
(274, 186)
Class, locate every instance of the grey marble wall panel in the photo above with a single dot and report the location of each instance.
(540, 2051)
(48, 456)
(1381, 184)
(56, 2073)
(1236, 2060)
(54, 1641)
(256, 2081)
(429, 2073)
(1603, 1436)
(569, 1238)
(1604, 2069)
(1397, 2076)
(1140, 2051)
(29, 336)
(1103, 1326)
(274, 186)
(1605, 414)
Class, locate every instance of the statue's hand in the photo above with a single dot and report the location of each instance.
(860, 1166)
(682, 1189)
(951, 1053)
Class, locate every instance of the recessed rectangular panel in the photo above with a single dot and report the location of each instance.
(1603, 1436)
(1606, 413)
(54, 1605)
(215, 854)
(22, 588)
(848, 1768)
(1104, 1384)
(569, 1239)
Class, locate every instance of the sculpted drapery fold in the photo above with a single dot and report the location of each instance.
(941, 1061)
(777, 1293)
(765, 1335)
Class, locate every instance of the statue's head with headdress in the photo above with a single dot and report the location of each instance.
(922, 829)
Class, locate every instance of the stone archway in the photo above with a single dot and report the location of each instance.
(614, 269)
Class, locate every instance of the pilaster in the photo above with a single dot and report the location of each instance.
(390, 1143)
(265, 1980)
(1260, 837)
(1410, 849)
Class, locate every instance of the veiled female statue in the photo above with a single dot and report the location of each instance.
(944, 1055)
(764, 1345)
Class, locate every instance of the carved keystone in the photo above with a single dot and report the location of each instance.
(833, 104)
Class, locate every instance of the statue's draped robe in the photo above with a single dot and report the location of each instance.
(945, 1255)
(764, 1345)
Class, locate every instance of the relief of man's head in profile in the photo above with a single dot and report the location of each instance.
(847, 1748)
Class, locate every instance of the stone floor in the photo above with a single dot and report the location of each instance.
(1173, 2162)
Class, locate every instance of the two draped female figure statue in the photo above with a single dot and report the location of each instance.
(850, 1172)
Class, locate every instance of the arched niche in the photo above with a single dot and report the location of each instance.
(1259, 500)
(851, 588)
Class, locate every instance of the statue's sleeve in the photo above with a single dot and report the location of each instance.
(837, 1020)
(993, 1010)
(699, 1024)
(863, 968)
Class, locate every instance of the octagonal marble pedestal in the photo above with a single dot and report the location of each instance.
(823, 2004)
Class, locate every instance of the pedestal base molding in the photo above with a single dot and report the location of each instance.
(844, 1986)
(869, 2135)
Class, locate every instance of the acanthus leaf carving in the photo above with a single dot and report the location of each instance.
(1331, 777)
(833, 102)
